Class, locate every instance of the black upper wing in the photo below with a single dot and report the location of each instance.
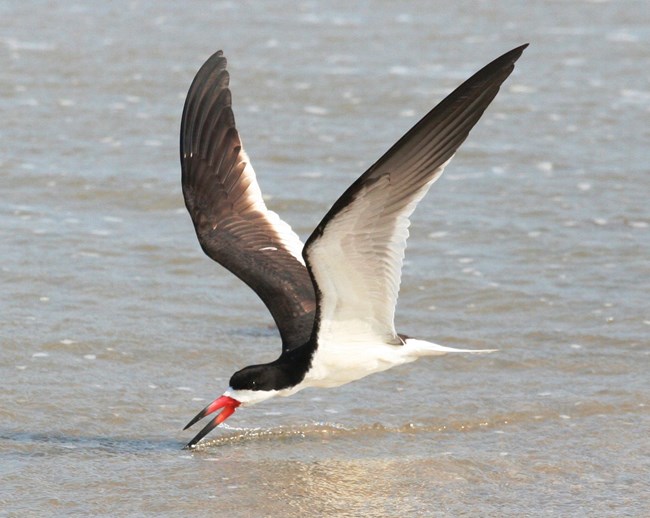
(232, 223)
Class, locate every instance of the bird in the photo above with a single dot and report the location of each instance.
(332, 299)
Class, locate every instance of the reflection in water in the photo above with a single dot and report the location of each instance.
(360, 486)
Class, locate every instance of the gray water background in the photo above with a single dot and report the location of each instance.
(115, 328)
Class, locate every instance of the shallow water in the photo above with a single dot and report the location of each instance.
(116, 329)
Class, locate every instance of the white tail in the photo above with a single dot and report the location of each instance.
(423, 348)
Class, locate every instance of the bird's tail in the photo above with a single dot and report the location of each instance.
(424, 348)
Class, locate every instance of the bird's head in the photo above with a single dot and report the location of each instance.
(248, 386)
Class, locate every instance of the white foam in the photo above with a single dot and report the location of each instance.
(522, 89)
(316, 110)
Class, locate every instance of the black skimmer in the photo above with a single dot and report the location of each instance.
(333, 299)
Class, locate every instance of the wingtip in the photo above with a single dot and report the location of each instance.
(512, 55)
(515, 53)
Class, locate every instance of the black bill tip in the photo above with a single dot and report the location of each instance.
(198, 416)
(206, 430)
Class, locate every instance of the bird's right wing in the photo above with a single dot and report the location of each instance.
(231, 220)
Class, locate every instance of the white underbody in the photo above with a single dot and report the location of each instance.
(335, 364)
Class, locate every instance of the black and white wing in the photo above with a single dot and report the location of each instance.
(231, 220)
(355, 254)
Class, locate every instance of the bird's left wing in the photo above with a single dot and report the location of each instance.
(355, 254)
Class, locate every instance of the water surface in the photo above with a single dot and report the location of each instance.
(116, 329)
